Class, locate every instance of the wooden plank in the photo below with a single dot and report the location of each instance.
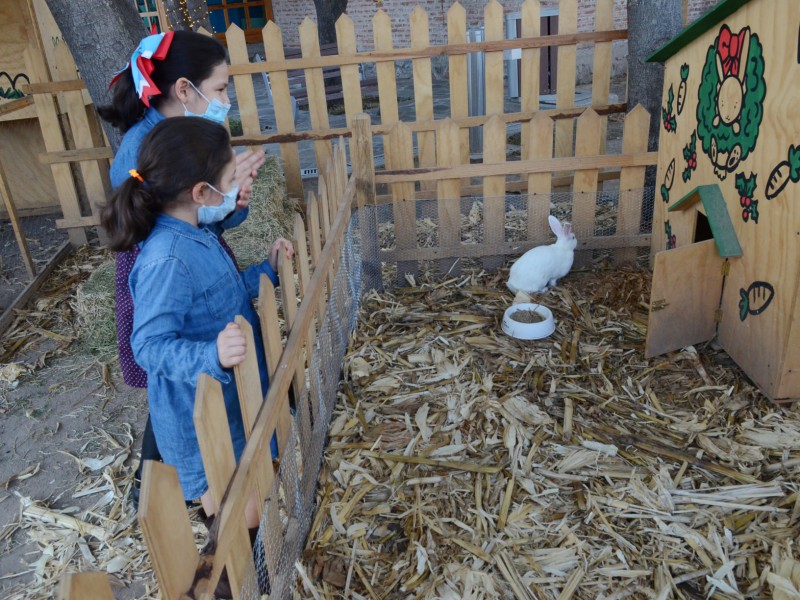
(601, 72)
(20, 103)
(245, 92)
(423, 126)
(423, 91)
(400, 155)
(94, 185)
(16, 225)
(324, 211)
(387, 84)
(79, 222)
(284, 114)
(494, 188)
(301, 253)
(219, 462)
(364, 179)
(531, 65)
(248, 381)
(9, 314)
(459, 93)
(69, 156)
(278, 65)
(565, 92)
(493, 65)
(448, 153)
(584, 189)
(315, 84)
(480, 250)
(54, 87)
(570, 163)
(83, 586)
(540, 146)
(351, 83)
(166, 530)
(315, 242)
(54, 142)
(683, 307)
(268, 417)
(634, 139)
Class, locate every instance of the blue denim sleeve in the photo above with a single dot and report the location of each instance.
(162, 295)
(252, 275)
(235, 219)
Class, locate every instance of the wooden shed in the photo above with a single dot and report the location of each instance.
(730, 137)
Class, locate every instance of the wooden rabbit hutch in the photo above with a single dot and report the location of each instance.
(728, 166)
(430, 208)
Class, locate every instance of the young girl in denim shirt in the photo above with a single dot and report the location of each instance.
(185, 287)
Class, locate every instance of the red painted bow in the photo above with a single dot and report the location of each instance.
(729, 47)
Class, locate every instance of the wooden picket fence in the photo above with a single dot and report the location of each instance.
(384, 58)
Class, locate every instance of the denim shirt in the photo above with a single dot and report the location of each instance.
(128, 153)
(185, 290)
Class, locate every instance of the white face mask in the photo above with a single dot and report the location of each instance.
(207, 215)
(215, 111)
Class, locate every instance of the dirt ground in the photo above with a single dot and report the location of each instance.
(69, 441)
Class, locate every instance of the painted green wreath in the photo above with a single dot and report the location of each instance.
(730, 104)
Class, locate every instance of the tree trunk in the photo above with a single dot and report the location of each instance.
(651, 24)
(101, 36)
(190, 17)
(328, 11)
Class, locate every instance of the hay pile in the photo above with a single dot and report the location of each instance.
(94, 311)
(465, 464)
(271, 216)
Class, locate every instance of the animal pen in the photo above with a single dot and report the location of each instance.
(430, 214)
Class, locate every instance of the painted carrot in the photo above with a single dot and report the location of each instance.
(682, 87)
(787, 170)
(755, 299)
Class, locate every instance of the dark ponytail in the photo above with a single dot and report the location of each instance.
(177, 154)
(191, 55)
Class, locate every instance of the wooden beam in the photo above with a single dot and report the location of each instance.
(15, 105)
(30, 290)
(506, 248)
(568, 163)
(78, 586)
(16, 225)
(337, 60)
(69, 156)
(424, 126)
(53, 87)
(77, 222)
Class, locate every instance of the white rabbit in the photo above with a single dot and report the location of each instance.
(542, 266)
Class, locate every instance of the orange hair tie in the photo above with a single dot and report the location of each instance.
(135, 174)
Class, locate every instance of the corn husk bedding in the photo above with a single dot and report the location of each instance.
(465, 464)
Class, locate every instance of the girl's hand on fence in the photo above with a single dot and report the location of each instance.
(276, 250)
(231, 346)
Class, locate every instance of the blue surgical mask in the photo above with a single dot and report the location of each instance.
(215, 111)
(207, 215)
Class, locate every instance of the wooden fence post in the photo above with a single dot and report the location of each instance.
(565, 92)
(351, 84)
(601, 73)
(448, 154)
(423, 92)
(315, 83)
(530, 82)
(584, 188)
(494, 188)
(540, 144)
(404, 207)
(167, 530)
(85, 586)
(219, 462)
(631, 180)
(459, 92)
(364, 173)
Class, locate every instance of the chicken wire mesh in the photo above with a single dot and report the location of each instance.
(369, 259)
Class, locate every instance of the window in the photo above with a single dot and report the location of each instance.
(250, 15)
(150, 11)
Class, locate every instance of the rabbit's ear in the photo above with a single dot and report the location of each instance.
(555, 226)
(567, 229)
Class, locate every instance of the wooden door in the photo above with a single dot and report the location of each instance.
(684, 297)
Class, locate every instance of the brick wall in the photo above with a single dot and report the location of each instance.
(290, 13)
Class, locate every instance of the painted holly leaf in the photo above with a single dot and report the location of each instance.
(664, 193)
(746, 186)
(684, 72)
(794, 163)
(670, 98)
(754, 211)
